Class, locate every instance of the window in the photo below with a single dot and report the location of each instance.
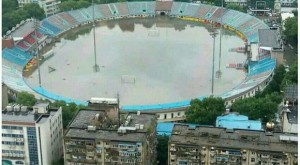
(178, 114)
(252, 159)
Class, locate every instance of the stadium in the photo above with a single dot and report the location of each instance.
(240, 27)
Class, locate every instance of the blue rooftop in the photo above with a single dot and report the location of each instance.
(166, 128)
(235, 121)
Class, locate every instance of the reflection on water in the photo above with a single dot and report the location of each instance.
(148, 61)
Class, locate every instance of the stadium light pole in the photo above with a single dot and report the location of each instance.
(219, 73)
(213, 34)
(96, 66)
(37, 50)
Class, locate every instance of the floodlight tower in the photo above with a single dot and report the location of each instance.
(36, 49)
(96, 67)
(219, 72)
(213, 33)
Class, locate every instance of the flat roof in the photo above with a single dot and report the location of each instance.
(268, 38)
(106, 128)
(27, 117)
(293, 115)
(104, 134)
(23, 30)
(239, 139)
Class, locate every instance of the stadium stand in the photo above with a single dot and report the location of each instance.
(122, 8)
(50, 28)
(104, 9)
(140, 8)
(203, 11)
(97, 14)
(210, 12)
(184, 9)
(22, 45)
(15, 55)
(216, 16)
(76, 14)
(67, 19)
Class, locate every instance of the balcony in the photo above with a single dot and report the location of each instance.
(172, 149)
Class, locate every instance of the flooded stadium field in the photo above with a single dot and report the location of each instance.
(147, 61)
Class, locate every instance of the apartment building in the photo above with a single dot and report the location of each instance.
(31, 135)
(50, 6)
(211, 146)
(103, 135)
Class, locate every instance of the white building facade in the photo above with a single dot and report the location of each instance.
(50, 6)
(31, 138)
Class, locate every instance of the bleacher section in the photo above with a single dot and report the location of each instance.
(104, 9)
(50, 28)
(184, 9)
(67, 19)
(203, 11)
(16, 56)
(216, 16)
(141, 8)
(12, 77)
(122, 9)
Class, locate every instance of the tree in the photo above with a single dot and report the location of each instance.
(205, 111)
(291, 30)
(162, 149)
(26, 99)
(34, 10)
(291, 77)
(235, 7)
(68, 111)
(72, 5)
(257, 108)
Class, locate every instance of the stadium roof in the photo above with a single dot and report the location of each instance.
(269, 38)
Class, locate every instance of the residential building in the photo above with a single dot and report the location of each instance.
(242, 3)
(259, 7)
(289, 113)
(206, 146)
(50, 7)
(103, 135)
(237, 121)
(31, 135)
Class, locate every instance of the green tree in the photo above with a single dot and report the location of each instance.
(235, 7)
(68, 111)
(257, 108)
(291, 30)
(26, 99)
(162, 149)
(291, 77)
(205, 111)
(9, 6)
(34, 10)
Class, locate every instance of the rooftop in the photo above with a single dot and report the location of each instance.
(239, 139)
(23, 30)
(291, 92)
(236, 121)
(106, 127)
(269, 38)
(293, 115)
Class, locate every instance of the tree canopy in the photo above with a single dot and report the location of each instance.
(12, 15)
(162, 149)
(291, 30)
(72, 4)
(205, 111)
(26, 99)
(291, 77)
(68, 111)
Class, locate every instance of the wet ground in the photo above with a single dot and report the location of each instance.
(148, 61)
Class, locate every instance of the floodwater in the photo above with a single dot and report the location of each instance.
(147, 61)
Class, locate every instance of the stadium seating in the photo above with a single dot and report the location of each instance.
(210, 12)
(50, 28)
(22, 45)
(203, 9)
(77, 15)
(16, 56)
(122, 9)
(104, 9)
(216, 16)
(184, 9)
(141, 8)
(68, 19)
(97, 13)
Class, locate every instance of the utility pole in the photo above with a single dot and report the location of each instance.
(36, 25)
(219, 73)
